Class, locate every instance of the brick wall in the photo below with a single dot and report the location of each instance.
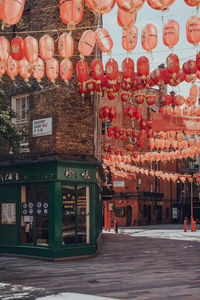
(73, 119)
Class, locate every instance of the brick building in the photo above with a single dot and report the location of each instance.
(145, 199)
(50, 201)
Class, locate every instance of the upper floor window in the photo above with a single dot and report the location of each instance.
(20, 105)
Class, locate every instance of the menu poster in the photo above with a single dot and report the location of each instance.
(8, 213)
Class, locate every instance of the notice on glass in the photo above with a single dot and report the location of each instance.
(8, 213)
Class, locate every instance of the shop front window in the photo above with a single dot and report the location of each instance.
(34, 214)
(75, 214)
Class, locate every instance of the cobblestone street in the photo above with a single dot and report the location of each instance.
(128, 267)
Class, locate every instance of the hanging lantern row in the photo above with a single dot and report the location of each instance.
(116, 155)
(71, 12)
(107, 113)
(29, 48)
(37, 69)
(149, 37)
(116, 165)
(116, 83)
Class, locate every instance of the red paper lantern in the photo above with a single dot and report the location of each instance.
(150, 99)
(131, 112)
(4, 49)
(172, 63)
(71, 12)
(82, 71)
(91, 85)
(178, 100)
(82, 89)
(111, 69)
(193, 2)
(193, 30)
(66, 69)
(2, 70)
(31, 49)
(149, 37)
(11, 68)
(194, 110)
(139, 97)
(166, 99)
(17, 48)
(96, 68)
(171, 33)
(128, 132)
(112, 113)
(130, 6)
(177, 111)
(52, 69)
(25, 69)
(11, 11)
(111, 95)
(103, 40)
(128, 69)
(198, 61)
(100, 7)
(110, 132)
(143, 124)
(87, 43)
(135, 133)
(46, 46)
(191, 78)
(169, 110)
(38, 69)
(194, 90)
(186, 111)
(190, 67)
(190, 100)
(150, 133)
(126, 85)
(125, 19)
(160, 5)
(125, 96)
(129, 38)
(143, 66)
(65, 45)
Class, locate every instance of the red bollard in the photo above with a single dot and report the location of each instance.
(194, 226)
(185, 226)
(115, 225)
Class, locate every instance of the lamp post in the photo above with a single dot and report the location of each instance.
(191, 195)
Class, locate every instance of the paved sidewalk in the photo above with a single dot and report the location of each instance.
(137, 263)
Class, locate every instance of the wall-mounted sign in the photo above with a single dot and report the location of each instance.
(42, 127)
(118, 183)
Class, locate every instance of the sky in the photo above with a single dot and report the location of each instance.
(180, 12)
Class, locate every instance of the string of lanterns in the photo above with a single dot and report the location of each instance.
(129, 170)
(71, 12)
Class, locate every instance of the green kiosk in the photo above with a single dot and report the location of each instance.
(51, 209)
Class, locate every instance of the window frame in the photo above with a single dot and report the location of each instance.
(25, 144)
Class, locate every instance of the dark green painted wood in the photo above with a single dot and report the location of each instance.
(55, 215)
(37, 172)
(9, 233)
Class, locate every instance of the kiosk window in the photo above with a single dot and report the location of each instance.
(34, 214)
